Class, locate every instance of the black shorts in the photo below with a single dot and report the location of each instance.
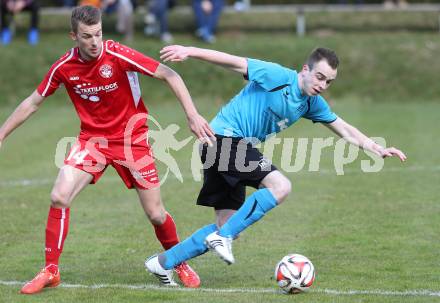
(228, 167)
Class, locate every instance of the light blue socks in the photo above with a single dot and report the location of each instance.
(252, 210)
(191, 247)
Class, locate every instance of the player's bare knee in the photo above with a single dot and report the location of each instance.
(286, 189)
(156, 217)
(281, 190)
(59, 199)
(278, 184)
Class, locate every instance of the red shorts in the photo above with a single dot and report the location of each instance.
(134, 162)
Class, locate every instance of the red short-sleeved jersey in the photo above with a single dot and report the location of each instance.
(104, 91)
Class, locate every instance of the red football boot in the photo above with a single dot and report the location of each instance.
(43, 279)
(187, 275)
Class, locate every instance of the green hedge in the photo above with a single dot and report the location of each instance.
(50, 3)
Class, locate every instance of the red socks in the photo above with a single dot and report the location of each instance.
(166, 233)
(56, 232)
(58, 226)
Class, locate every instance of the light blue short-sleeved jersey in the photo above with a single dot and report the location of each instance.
(269, 103)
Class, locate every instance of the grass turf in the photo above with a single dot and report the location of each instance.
(362, 231)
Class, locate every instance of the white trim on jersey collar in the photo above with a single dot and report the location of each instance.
(54, 70)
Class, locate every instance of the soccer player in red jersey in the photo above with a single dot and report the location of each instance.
(101, 80)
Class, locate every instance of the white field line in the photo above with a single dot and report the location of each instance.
(325, 172)
(377, 292)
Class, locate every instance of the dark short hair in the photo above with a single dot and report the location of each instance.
(88, 15)
(322, 53)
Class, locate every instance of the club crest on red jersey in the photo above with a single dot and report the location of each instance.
(106, 71)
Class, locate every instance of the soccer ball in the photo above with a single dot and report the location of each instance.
(294, 273)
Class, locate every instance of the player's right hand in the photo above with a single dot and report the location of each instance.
(201, 129)
(174, 53)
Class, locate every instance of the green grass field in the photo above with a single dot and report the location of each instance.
(373, 237)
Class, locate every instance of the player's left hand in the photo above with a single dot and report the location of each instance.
(391, 152)
(200, 127)
(174, 53)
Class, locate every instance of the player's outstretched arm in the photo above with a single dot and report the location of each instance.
(21, 114)
(198, 125)
(356, 137)
(176, 53)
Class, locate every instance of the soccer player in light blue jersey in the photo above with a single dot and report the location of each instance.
(274, 98)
